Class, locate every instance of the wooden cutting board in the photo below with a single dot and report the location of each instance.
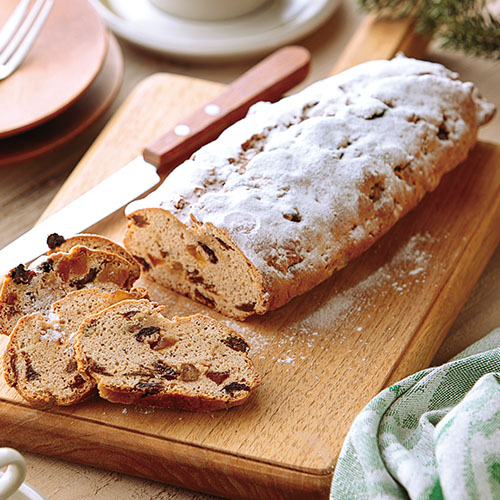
(322, 357)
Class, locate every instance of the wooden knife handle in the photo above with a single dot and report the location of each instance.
(267, 81)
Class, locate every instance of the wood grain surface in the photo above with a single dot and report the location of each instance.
(26, 190)
(60, 66)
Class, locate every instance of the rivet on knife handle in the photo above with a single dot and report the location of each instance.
(267, 81)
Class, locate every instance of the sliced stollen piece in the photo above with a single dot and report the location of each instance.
(136, 355)
(299, 188)
(58, 243)
(38, 360)
(37, 287)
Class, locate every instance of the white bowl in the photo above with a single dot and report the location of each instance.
(208, 10)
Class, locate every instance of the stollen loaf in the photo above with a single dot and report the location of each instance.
(298, 188)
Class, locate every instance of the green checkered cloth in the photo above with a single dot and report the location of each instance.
(434, 435)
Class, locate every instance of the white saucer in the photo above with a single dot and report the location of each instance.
(275, 24)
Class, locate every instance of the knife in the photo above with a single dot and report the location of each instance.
(268, 80)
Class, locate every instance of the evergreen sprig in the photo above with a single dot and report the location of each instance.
(465, 25)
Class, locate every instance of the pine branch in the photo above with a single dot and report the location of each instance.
(464, 25)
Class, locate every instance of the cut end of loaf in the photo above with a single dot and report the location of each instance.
(200, 261)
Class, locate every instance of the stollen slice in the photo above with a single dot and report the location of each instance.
(38, 360)
(136, 355)
(45, 281)
(58, 243)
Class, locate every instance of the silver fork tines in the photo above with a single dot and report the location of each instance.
(19, 33)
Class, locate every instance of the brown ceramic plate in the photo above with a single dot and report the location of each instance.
(74, 120)
(63, 62)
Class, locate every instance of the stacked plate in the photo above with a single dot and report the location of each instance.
(69, 78)
(273, 24)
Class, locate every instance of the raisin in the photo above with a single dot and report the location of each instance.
(166, 371)
(163, 253)
(129, 314)
(11, 297)
(249, 307)
(146, 332)
(204, 300)
(443, 133)
(211, 254)
(217, 377)
(142, 262)
(376, 115)
(189, 372)
(162, 343)
(55, 240)
(21, 275)
(293, 216)
(156, 261)
(71, 366)
(88, 278)
(150, 388)
(224, 244)
(236, 344)
(31, 373)
(375, 192)
(151, 335)
(235, 386)
(139, 220)
(195, 279)
(12, 363)
(47, 266)
(94, 367)
(77, 382)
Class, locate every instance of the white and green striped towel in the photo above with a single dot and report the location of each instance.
(434, 435)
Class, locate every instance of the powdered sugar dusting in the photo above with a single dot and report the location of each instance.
(395, 272)
(299, 183)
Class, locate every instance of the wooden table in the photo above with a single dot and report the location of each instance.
(26, 189)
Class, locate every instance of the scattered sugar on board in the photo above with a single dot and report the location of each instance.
(358, 298)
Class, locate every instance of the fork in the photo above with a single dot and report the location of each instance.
(19, 33)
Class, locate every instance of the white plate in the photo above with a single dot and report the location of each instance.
(275, 24)
(26, 492)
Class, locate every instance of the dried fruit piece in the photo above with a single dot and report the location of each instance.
(149, 388)
(236, 344)
(250, 307)
(189, 372)
(77, 382)
(21, 275)
(142, 262)
(204, 300)
(88, 278)
(130, 314)
(211, 254)
(217, 377)
(165, 371)
(71, 366)
(54, 240)
(235, 386)
(139, 220)
(146, 332)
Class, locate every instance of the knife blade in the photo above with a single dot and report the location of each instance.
(268, 80)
